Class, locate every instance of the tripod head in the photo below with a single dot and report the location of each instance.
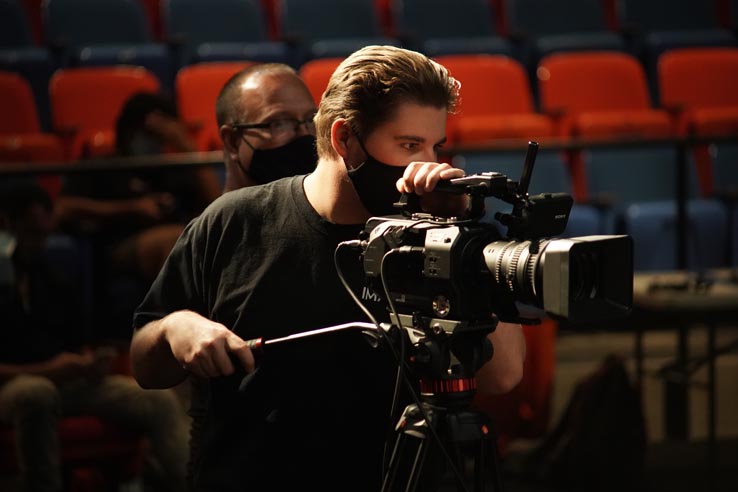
(446, 354)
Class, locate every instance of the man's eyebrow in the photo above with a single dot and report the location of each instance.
(415, 138)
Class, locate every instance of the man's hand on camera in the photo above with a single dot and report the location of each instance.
(421, 178)
(206, 348)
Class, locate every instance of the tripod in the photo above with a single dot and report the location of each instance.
(440, 443)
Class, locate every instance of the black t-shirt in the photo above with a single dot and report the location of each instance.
(260, 261)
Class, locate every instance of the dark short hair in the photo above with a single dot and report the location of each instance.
(133, 116)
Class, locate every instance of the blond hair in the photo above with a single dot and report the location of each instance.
(369, 85)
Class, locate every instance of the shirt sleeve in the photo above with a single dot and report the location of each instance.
(179, 283)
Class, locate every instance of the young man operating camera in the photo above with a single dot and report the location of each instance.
(260, 263)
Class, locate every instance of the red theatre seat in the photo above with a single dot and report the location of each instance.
(700, 85)
(316, 74)
(496, 101)
(599, 95)
(197, 88)
(85, 103)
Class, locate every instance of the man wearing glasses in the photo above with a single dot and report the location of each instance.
(265, 116)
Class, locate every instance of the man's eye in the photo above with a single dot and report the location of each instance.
(281, 125)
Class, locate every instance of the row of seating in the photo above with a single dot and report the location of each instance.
(586, 95)
(106, 32)
(408, 18)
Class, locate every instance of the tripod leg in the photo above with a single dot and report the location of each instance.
(448, 451)
(408, 454)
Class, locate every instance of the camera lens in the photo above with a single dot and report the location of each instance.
(582, 277)
(514, 268)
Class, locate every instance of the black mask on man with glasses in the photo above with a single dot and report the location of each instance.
(296, 157)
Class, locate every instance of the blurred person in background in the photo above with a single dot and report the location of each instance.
(47, 371)
(265, 118)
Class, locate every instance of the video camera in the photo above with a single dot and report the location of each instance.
(444, 268)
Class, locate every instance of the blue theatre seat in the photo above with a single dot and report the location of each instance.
(543, 27)
(105, 33)
(653, 227)
(330, 29)
(221, 30)
(449, 27)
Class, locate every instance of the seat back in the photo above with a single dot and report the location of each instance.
(665, 15)
(197, 87)
(77, 23)
(692, 78)
(86, 101)
(653, 228)
(496, 100)
(316, 74)
(215, 21)
(490, 84)
(599, 94)
(19, 113)
(15, 29)
(444, 18)
(328, 19)
(543, 17)
(578, 82)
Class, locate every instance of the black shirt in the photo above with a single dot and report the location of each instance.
(260, 261)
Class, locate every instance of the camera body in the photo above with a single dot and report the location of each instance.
(445, 268)
(465, 271)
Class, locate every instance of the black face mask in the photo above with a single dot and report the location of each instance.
(299, 156)
(375, 183)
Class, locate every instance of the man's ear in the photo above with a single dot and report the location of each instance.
(340, 135)
(230, 138)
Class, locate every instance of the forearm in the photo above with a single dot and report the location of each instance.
(76, 208)
(505, 370)
(152, 360)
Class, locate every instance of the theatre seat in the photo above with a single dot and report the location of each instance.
(653, 227)
(105, 33)
(330, 29)
(85, 103)
(599, 94)
(700, 84)
(316, 74)
(495, 103)
(449, 27)
(197, 87)
(21, 138)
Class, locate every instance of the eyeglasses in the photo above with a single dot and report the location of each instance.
(279, 128)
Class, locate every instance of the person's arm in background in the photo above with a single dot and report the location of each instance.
(150, 208)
